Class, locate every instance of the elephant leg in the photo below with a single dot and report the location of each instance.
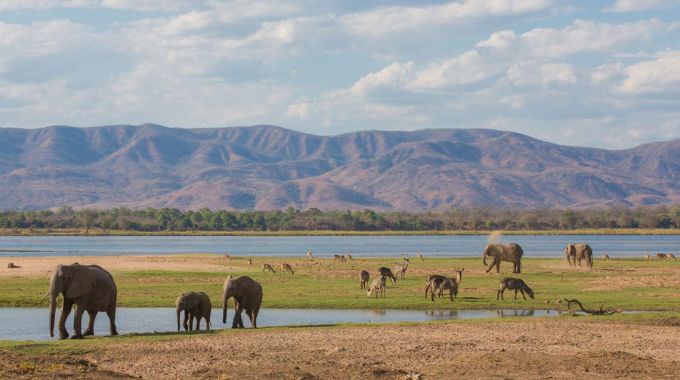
(111, 313)
(191, 321)
(498, 265)
(249, 312)
(186, 320)
(65, 311)
(90, 324)
(198, 322)
(255, 312)
(78, 318)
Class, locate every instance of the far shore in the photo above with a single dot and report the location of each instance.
(100, 232)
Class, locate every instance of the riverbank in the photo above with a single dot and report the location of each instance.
(100, 232)
(155, 281)
(561, 348)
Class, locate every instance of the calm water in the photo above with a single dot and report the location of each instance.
(33, 323)
(324, 246)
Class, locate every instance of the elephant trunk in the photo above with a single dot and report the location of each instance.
(53, 292)
(178, 312)
(224, 307)
(53, 309)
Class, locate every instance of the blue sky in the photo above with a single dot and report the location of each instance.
(594, 73)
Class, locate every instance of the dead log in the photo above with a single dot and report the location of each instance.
(601, 311)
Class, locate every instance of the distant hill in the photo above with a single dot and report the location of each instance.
(267, 167)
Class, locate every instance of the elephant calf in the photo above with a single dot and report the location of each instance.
(194, 305)
(515, 284)
(503, 252)
(577, 252)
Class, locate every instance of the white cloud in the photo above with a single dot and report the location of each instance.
(659, 75)
(640, 5)
(298, 110)
(390, 20)
(395, 75)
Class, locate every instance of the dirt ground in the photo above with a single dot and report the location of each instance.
(563, 348)
(43, 265)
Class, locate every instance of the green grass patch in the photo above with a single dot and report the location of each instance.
(629, 284)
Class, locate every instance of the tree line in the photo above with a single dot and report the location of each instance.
(462, 219)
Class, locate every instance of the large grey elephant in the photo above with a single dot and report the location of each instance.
(195, 305)
(247, 295)
(91, 288)
(579, 251)
(503, 252)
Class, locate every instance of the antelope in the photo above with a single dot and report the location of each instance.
(250, 263)
(339, 258)
(605, 257)
(515, 284)
(287, 268)
(661, 256)
(363, 279)
(377, 286)
(401, 268)
(670, 256)
(386, 272)
(420, 256)
(348, 256)
(268, 268)
(648, 257)
(309, 255)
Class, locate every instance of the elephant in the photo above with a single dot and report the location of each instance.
(195, 305)
(247, 295)
(503, 252)
(91, 288)
(579, 251)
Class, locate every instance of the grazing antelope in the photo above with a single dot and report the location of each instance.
(420, 256)
(287, 268)
(605, 257)
(226, 256)
(432, 283)
(515, 284)
(339, 258)
(12, 266)
(670, 256)
(348, 256)
(250, 263)
(648, 257)
(268, 268)
(386, 272)
(309, 255)
(363, 279)
(448, 284)
(377, 286)
(661, 256)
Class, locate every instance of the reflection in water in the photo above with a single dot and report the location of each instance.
(517, 313)
(452, 314)
(378, 312)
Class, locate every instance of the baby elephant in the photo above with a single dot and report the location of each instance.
(377, 286)
(448, 284)
(195, 305)
(363, 279)
(515, 284)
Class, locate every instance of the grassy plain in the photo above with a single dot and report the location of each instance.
(155, 281)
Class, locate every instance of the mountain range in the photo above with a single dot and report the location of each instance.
(267, 167)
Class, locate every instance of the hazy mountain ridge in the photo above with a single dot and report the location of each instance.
(268, 167)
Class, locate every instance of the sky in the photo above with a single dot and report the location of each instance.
(591, 73)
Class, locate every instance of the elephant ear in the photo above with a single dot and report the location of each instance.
(81, 283)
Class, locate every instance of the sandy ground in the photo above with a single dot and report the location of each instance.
(43, 265)
(538, 349)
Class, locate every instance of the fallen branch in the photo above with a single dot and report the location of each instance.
(601, 311)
